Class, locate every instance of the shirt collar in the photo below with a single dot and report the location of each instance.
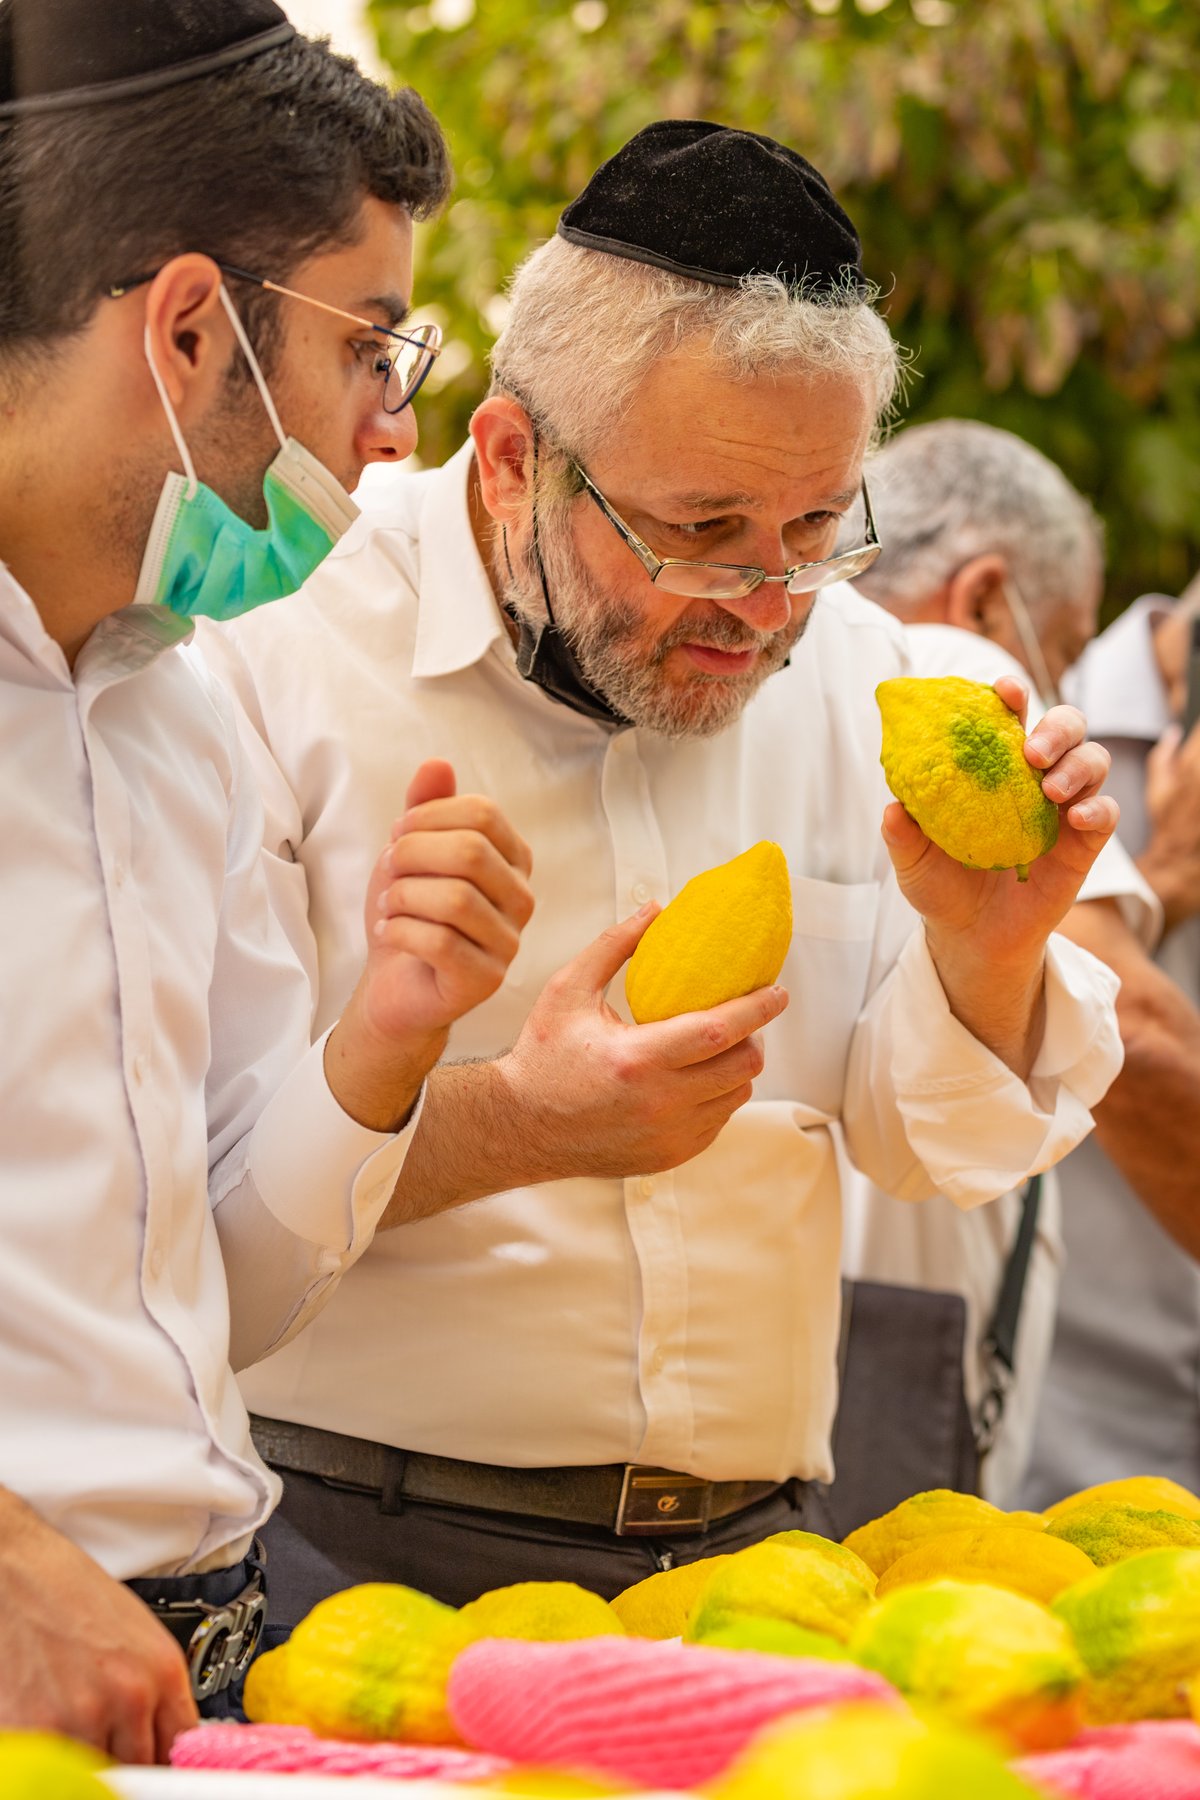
(118, 645)
(458, 619)
(1116, 683)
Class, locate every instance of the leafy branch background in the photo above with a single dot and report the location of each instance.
(1025, 175)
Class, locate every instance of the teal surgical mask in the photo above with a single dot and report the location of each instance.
(201, 558)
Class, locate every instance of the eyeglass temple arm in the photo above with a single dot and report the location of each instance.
(645, 555)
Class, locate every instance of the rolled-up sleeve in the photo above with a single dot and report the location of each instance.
(929, 1109)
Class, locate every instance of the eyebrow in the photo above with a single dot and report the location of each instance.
(391, 309)
(720, 503)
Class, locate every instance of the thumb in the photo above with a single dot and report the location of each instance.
(591, 971)
(434, 780)
(906, 842)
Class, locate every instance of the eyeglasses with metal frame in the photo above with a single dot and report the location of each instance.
(733, 581)
(405, 357)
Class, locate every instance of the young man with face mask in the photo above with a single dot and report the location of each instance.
(616, 601)
(206, 226)
(995, 564)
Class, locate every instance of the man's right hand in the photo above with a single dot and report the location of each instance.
(1171, 860)
(600, 1097)
(85, 1656)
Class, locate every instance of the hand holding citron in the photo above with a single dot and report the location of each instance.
(953, 754)
(726, 933)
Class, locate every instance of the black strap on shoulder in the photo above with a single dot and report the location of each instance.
(1000, 1340)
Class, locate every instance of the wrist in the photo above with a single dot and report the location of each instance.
(999, 1001)
(374, 1078)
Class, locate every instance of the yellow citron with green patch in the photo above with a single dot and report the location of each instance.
(1028, 1562)
(805, 1587)
(726, 933)
(953, 754)
(1153, 1493)
(1137, 1627)
(371, 1662)
(1108, 1534)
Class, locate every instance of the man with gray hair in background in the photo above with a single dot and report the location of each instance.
(620, 1354)
(985, 536)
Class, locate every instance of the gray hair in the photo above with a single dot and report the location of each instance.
(584, 328)
(954, 489)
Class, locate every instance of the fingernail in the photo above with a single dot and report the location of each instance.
(643, 910)
(1087, 813)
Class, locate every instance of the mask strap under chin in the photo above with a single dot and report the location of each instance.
(1029, 640)
(239, 332)
(185, 455)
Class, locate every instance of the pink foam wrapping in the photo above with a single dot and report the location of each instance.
(1155, 1759)
(294, 1750)
(661, 1714)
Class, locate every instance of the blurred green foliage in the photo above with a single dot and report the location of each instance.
(1025, 175)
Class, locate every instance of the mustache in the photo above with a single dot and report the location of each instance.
(721, 633)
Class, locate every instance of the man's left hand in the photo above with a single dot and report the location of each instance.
(986, 930)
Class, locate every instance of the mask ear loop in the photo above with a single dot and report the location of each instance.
(185, 455)
(239, 332)
(1029, 639)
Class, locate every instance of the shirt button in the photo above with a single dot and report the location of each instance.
(645, 1187)
(141, 1066)
(119, 874)
(155, 1261)
(639, 892)
(657, 1361)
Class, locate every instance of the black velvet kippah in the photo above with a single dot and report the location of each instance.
(60, 54)
(717, 204)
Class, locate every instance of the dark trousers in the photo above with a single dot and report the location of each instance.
(324, 1538)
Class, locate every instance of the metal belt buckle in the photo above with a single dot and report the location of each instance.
(659, 1503)
(223, 1643)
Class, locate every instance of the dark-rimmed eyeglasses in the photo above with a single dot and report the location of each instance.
(732, 581)
(405, 357)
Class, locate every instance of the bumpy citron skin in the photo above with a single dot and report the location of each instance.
(725, 933)
(1153, 1493)
(658, 1607)
(371, 1662)
(540, 1612)
(775, 1581)
(883, 1541)
(865, 1751)
(1028, 1562)
(1137, 1627)
(1108, 1534)
(953, 756)
(982, 1655)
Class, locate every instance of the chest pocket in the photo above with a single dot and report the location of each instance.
(826, 976)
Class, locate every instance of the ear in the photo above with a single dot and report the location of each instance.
(975, 597)
(189, 333)
(503, 437)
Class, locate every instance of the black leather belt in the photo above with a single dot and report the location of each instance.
(629, 1499)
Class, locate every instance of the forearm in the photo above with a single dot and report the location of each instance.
(1148, 1124)
(475, 1138)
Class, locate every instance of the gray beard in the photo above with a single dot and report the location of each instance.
(604, 635)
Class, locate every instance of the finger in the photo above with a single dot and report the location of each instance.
(1014, 694)
(1099, 816)
(131, 1739)
(467, 812)
(697, 1037)
(1163, 754)
(725, 1073)
(455, 904)
(434, 780)
(1078, 774)
(1057, 731)
(465, 857)
(455, 960)
(588, 974)
(177, 1712)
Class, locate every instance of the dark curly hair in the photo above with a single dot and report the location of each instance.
(262, 166)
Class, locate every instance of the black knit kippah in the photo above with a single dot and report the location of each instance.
(56, 55)
(717, 204)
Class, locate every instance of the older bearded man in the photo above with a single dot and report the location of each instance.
(622, 1354)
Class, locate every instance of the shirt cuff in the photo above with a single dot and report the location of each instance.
(980, 1131)
(325, 1178)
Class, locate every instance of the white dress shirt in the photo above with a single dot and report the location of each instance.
(686, 1319)
(939, 1246)
(177, 1184)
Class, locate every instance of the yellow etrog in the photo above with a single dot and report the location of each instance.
(953, 756)
(725, 933)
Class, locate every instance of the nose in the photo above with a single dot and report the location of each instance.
(768, 608)
(385, 436)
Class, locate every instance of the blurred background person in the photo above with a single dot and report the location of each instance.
(989, 555)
